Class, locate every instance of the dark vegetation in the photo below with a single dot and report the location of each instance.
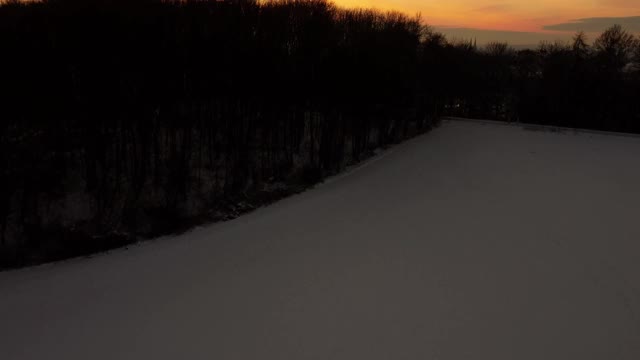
(572, 84)
(133, 118)
(122, 119)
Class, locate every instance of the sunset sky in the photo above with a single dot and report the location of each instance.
(521, 22)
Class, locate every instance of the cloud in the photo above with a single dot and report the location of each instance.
(597, 24)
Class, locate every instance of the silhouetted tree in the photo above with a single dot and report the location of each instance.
(123, 118)
(615, 48)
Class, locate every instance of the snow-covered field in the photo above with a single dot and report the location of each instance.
(476, 241)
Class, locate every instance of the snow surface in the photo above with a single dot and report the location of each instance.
(476, 241)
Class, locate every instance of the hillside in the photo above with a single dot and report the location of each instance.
(475, 241)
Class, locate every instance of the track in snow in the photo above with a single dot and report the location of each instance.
(476, 241)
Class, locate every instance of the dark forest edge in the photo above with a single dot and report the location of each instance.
(128, 119)
(133, 119)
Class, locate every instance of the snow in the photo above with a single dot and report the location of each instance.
(475, 241)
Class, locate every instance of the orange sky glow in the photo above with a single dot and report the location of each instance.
(507, 15)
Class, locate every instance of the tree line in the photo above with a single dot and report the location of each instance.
(125, 118)
(575, 84)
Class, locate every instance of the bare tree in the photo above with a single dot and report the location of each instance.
(580, 45)
(615, 47)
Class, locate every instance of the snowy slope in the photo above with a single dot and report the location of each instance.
(476, 241)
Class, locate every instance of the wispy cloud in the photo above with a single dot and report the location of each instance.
(597, 24)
